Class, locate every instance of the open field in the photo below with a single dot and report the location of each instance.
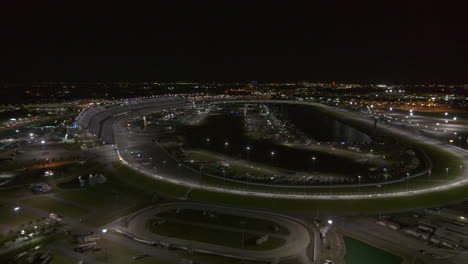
(362, 253)
(61, 258)
(112, 199)
(14, 192)
(54, 206)
(89, 198)
(142, 180)
(216, 236)
(215, 259)
(231, 220)
(12, 218)
(111, 252)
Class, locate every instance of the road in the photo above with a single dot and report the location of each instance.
(126, 142)
(296, 245)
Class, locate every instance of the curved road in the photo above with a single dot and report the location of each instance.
(296, 243)
(122, 143)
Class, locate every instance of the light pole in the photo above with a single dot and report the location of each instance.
(386, 176)
(247, 149)
(407, 181)
(313, 164)
(272, 157)
(446, 172)
(359, 185)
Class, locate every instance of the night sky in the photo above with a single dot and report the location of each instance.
(379, 41)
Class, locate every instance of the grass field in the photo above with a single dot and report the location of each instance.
(118, 254)
(226, 220)
(358, 252)
(12, 218)
(61, 258)
(142, 180)
(214, 259)
(441, 159)
(215, 236)
(14, 192)
(89, 198)
(54, 206)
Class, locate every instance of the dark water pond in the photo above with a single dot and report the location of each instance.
(229, 127)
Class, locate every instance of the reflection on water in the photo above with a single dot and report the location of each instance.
(322, 127)
(228, 127)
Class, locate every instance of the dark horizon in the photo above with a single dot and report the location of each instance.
(321, 42)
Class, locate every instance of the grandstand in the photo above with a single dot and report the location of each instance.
(99, 119)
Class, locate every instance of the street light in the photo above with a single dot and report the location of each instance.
(104, 230)
(386, 176)
(330, 222)
(407, 181)
(313, 163)
(359, 185)
(16, 209)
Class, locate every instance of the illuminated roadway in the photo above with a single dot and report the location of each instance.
(295, 245)
(122, 138)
